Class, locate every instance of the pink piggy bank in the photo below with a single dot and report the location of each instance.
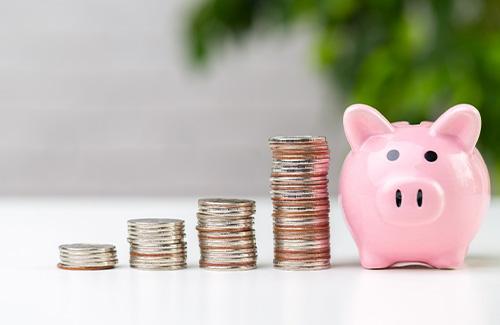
(413, 193)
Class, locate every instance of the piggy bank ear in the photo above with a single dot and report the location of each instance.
(363, 121)
(462, 122)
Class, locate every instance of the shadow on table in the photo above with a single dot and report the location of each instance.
(482, 261)
(471, 262)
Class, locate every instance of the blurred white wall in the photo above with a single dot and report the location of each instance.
(97, 98)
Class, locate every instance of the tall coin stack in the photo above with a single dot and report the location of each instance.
(226, 234)
(86, 257)
(157, 244)
(301, 206)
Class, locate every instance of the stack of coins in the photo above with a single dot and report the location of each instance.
(299, 190)
(157, 244)
(226, 234)
(87, 257)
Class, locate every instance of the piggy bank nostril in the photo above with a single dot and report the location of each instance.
(420, 198)
(399, 198)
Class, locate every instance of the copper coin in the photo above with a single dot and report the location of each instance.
(301, 204)
(224, 229)
(227, 236)
(224, 247)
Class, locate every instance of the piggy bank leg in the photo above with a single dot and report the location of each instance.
(372, 260)
(452, 260)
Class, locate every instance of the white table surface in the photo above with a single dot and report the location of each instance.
(34, 291)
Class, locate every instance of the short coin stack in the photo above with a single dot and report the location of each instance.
(226, 234)
(86, 257)
(299, 190)
(157, 244)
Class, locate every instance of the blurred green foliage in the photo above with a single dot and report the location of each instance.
(409, 59)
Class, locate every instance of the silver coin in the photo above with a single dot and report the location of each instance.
(163, 240)
(300, 196)
(317, 170)
(225, 202)
(159, 267)
(299, 192)
(227, 259)
(80, 247)
(155, 224)
(157, 243)
(66, 260)
(307, 222)
(156, 251)
(228, 216)
(158, 259)
(232, 221)
(298, 219)
(229, 249)
(225, 245)
(301, 266)
(87, 258)
(229, 268)
(158, 237)
(227, 207)
(153, 259)
(296, 139)
(87, 254)
(227, 210)
(225, 232)
(220, 258)
(243, 235)
(210, 224)
(301, 167)
(301, 248)
(156, 232)
(225, 226)
(89, 264)
(307, 182)
(306, 161)
(152, 223)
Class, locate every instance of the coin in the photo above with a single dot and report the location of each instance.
(299, 193)
(319, 264)
(154, 222)
(157, 267)
(226, 235)
(83, 257)
(84, 268)
(226, 203)
(157, 243)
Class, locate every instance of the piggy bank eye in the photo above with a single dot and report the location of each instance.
(393, 155)
(431, 156)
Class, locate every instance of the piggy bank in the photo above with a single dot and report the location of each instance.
(413, 193)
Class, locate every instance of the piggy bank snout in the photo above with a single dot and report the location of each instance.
(410, 201)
